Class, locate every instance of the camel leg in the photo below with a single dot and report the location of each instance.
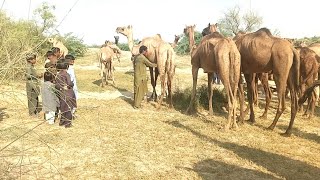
(210, 93)
(102, 75)
(312, 104)
(255, 88)
(264, 82)
(191, 108)
(241, 101)
(112, 72)
(152, 83)
(250, 87)
(302, 90)
(281, 91)
(169, 85)
(163, 89)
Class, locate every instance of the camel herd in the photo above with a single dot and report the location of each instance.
(256, 55)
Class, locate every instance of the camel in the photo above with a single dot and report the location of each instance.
(262, 52)
(116, 40)
(151, 43)
(106, 56)
(189, 32)
(210, 29)
(175, 42)
(166, 68)
(309, 68)
(217, 54)
(56, 43)
(316, 48)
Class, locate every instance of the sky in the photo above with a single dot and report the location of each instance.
(96, 20)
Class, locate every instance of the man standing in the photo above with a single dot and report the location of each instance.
(140, 76)
(32, 85)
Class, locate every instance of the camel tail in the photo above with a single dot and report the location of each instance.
(232, 60)
(296, 70)
(308, 93)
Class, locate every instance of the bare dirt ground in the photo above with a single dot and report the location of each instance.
(111, 140)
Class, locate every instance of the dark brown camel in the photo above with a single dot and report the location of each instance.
(217, 54)
(263, 77)
(262, 52)
(210, 29)
(116, 40)
(309, 68)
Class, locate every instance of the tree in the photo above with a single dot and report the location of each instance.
(183, 45)
(233, 22)
(44, 17)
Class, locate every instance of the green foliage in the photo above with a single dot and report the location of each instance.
(44, 17)
(124, 46)
(181, 99)
(16, 39)
(75, 45)
(183, 45)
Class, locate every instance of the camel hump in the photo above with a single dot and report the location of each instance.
(265, 31)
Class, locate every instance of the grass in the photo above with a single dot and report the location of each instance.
(111, 140)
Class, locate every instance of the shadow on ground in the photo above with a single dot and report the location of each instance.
(278, 164)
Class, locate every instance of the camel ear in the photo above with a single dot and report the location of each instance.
(216, 24)
(194, 26)
(209, 24)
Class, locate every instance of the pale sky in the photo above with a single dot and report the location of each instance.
(96, 20)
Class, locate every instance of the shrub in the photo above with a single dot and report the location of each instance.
(181, 98)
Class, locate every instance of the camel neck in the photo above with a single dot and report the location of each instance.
(130, 41)
(191, 40)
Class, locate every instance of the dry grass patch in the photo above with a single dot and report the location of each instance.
(111, 140)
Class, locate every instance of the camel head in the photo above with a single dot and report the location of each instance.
(116, 39)
(189, 30)
(176, 38)
(125, 30)
(210, 29)
(239, 35)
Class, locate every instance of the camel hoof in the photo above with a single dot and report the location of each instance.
(227, 128)
(270, 128)
(264, 117)
(286, 134)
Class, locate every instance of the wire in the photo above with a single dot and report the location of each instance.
(2, 4)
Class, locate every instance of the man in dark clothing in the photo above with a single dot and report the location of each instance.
(140, 75)
(32, 85)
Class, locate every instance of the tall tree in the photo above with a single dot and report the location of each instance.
(44, 17)
(233, 21)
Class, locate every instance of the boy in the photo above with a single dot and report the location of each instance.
(50, 101)
(32, 85)
(70, 71)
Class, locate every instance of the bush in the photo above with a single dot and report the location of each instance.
(124, 46)
(75, 45)
(183, 45)
(181, 99)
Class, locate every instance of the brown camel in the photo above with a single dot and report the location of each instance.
(263, 77)
(166, 67)
(262, 52)
(189, 32)
(217, 54)
(159, 52)
(116, 40)
(106, 56)
(316, 48)
(210, 29)
(309, 68)
(56, 43)
(175, 42)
